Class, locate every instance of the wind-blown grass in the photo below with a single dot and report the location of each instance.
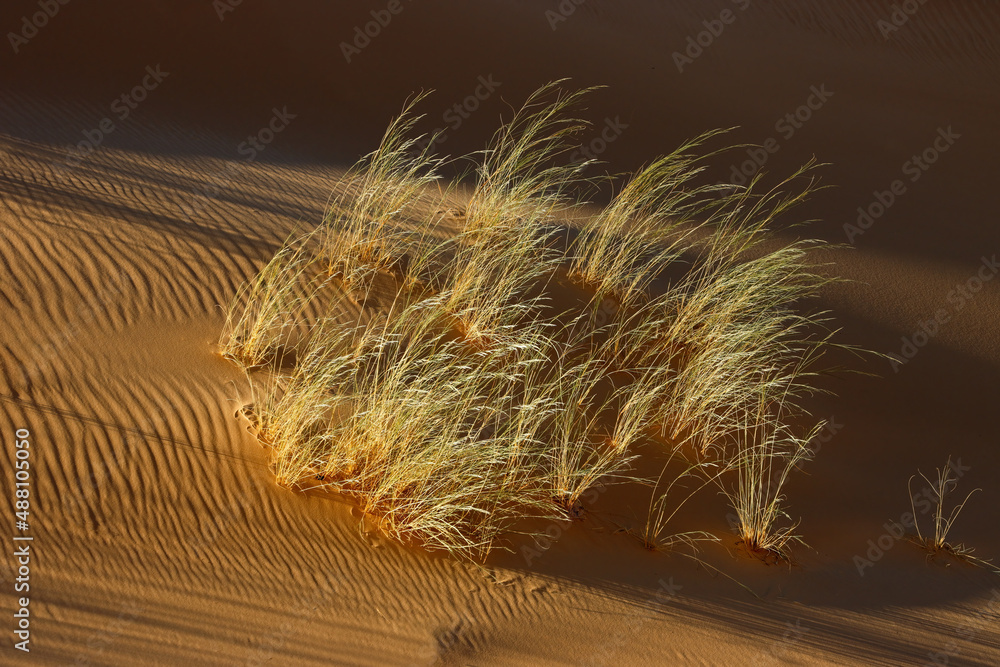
(767, 452)
(433, 440)
(361, 227)
(590, 441)
(265, 310)
(647, 226)
(472, 401)
(505, 246)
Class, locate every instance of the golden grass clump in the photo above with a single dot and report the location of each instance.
(361, 229)
(483, 390)
(646, 227)
(266, 309)
(505, 247)
(590, 441)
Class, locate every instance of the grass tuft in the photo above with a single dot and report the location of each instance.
(470, 387)
(937, 544)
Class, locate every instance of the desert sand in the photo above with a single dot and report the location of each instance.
(159, 535)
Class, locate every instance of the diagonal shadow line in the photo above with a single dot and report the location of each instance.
(72, 197)
(69, 414)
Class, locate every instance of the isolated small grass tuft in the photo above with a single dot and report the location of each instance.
(937, 544)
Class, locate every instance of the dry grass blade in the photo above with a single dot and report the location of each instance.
(645, 227)
(267, 308)
(937, 544)
(360, 228)
(463, 403)
(505, 248)
(584, 452)
(768, 451)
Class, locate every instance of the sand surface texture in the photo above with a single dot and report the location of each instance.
(160, 537)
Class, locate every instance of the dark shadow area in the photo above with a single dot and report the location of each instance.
(228, 73)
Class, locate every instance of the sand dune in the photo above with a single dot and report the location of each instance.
(159, 534)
